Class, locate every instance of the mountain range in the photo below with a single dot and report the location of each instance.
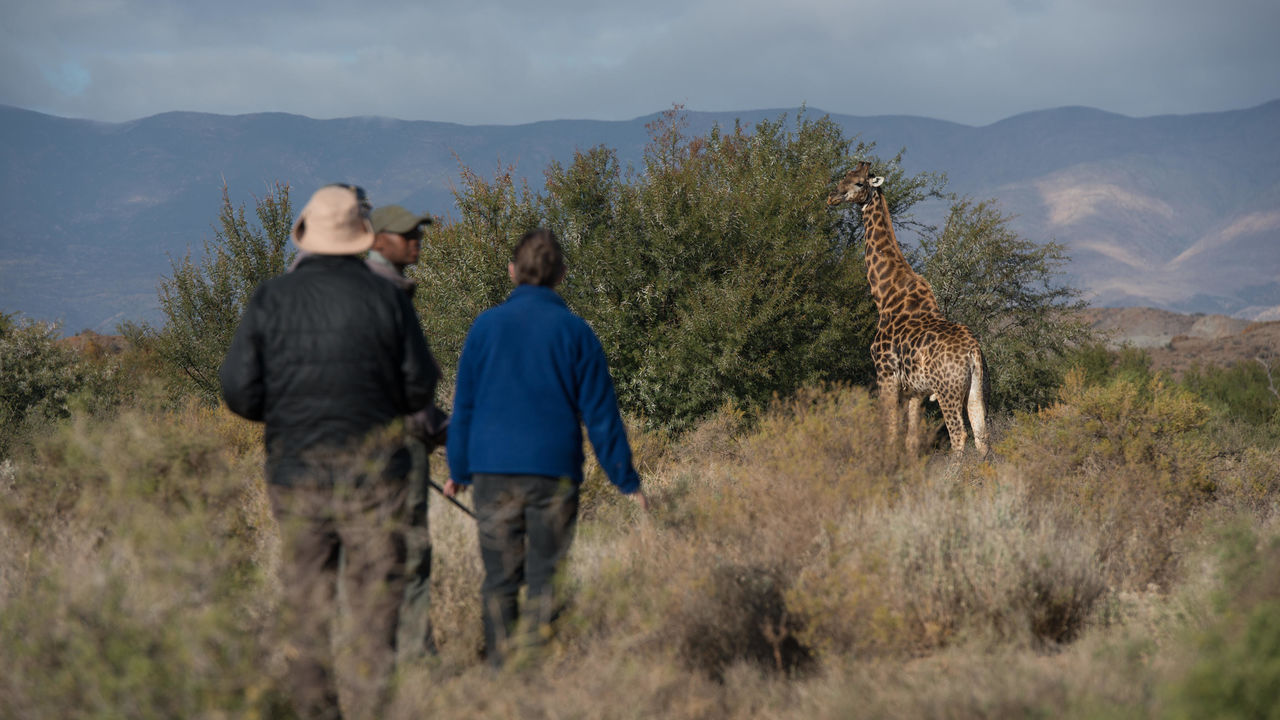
(1178, 212)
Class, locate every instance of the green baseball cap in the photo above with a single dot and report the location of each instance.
(395, 219)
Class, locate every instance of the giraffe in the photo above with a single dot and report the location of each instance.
(917, 352)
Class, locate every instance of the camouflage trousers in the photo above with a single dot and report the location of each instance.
(342, 571)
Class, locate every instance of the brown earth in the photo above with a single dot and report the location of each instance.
(1175, 342)
(94, 343)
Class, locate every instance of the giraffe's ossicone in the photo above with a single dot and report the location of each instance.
(917, 352)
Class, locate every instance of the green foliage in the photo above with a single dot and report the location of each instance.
(1098, 366)
(203, 302)
(715, 274)
(1237, 669)
(1149, 426)
(1128, 454)
(1005, 289)
(713, 278)
(902, 193)
(1245, 391)
(463, 268)
(40, 380)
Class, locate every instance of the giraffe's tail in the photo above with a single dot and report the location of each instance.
(979, 390)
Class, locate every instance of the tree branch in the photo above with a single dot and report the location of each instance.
(1271, 383)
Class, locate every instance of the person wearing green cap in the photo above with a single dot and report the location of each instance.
(397, 244)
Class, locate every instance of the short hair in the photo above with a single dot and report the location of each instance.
(538, 258)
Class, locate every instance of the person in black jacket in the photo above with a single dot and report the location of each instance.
(327, 357)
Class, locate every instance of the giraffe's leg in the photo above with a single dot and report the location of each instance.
(890, 397)
(955, 424)
(913, 425)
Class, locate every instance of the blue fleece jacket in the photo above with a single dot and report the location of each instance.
(530, 374)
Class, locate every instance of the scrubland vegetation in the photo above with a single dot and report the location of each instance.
(1119, 557)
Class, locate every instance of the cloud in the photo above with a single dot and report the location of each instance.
(502, 61)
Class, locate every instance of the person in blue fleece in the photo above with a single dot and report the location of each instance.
(530, 375)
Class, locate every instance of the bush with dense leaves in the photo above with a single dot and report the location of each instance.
(41, 380)
(1246, 391)
(1130, 456)
(715, 273)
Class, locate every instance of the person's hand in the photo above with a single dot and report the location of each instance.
(640, 500)
(452, 489)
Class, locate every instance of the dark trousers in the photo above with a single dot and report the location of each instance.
(415, 640)
(342, 569)
(526, 524)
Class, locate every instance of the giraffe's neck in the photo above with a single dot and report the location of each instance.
(893, 283)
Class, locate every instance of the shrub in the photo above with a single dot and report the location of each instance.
(41, 381)
(808, 463)
(715, 272)
(1098, 366)
(742, 618)
(715, 275)
(942, 566)
(739, 512)
(802, 539)
(463, 268)
(1246, 391)
(1236, 672)
(1130, 458)
(136, 573)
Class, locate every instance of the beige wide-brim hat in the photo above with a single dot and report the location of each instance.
(334, 222)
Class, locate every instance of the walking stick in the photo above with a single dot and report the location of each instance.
(455, 502)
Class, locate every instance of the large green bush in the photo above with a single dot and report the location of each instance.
(714, 273)
(463, 267)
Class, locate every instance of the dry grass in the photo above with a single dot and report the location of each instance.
(790, 567)
(136, 570)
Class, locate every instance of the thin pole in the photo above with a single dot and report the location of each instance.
(456, 504)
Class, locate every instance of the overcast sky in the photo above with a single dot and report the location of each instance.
(516, 61)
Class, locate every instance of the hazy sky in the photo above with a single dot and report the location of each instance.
(515, 61)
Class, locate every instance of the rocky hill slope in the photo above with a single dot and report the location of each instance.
(1177, 341)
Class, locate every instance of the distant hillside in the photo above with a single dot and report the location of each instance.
(1175, 212)
(1175, 342)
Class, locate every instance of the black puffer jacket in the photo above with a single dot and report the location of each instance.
(323, 355)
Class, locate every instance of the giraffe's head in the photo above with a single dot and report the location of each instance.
(856, 186)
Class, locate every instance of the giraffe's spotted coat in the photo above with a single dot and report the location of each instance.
(918, 353)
